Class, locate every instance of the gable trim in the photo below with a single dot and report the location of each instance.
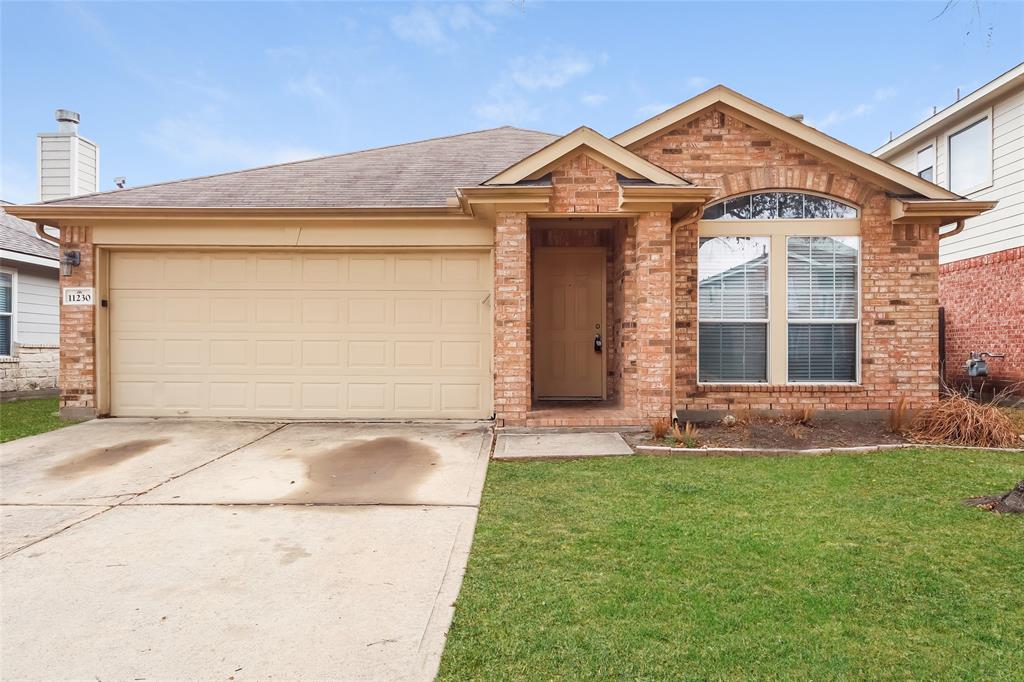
(600, 147)
(801, 135)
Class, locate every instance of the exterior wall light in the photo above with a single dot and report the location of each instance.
(71, 260)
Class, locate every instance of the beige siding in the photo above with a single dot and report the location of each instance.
(38, 303)
(1003, 227)
(314, 334)
(88, 161)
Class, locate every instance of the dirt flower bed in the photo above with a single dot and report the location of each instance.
(798, 431)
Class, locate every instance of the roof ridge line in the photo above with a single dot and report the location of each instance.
(290, 163)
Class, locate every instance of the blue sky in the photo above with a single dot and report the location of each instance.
(178, 89)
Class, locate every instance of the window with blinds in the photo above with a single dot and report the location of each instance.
(732, 309)
(6, 312)
(823, 308)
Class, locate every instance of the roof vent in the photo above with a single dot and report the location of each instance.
(67, 120)
(798, 117)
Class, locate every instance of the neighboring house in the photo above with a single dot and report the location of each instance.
(29, 313)
(975, 147)
(68, 165)
(536, 278)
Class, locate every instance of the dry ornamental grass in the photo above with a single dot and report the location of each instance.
(958, 420)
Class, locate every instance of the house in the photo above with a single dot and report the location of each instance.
(68, 165)
(975, 147)
(536, 278)
(29, 319)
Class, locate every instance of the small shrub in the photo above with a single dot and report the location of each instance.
(898, 416)
(687, 435)
(803, 416)
(958, 420)
(659, 428)
(743, 416)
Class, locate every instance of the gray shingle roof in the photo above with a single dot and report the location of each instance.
(20, 236)
(415, 174)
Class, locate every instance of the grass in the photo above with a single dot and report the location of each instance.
(20, 418)
(722, 568)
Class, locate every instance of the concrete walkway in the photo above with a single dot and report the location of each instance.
(154, 549)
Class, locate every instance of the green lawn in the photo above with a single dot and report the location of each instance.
(724, 568)
(22, 418)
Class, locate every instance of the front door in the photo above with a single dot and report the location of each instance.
(569, 324)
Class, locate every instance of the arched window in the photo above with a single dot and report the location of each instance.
(779, 206)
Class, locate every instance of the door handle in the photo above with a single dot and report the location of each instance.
(598, 344)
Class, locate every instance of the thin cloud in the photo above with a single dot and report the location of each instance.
(508, 112)
(309, 86)
(697, 82)
(593, 99)
(653, 109)
(435, 27)
(548, 72)
(199, 139)
(882, 94)
(837, 116)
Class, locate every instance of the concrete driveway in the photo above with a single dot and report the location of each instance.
(165, 549)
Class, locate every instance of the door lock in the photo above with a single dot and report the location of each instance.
(598, 344)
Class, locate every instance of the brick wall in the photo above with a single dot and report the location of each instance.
(899, 270)
(983, 298)
(78, 332)
(584, 185)
(512, 361)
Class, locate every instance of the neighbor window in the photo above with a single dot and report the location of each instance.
(6, 312)
(970, 157)
(732, 309)
(778, 206)
(926, 163)
(822, 305)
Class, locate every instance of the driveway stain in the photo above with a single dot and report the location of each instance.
(291, 553)
(386, 466)
(102, 458)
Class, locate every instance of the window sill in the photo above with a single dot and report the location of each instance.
(779, 388)
(9, 359)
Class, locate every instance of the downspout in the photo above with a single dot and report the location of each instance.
(42, 233)
(672, 318)
(957, 230)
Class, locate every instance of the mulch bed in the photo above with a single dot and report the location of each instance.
(824, 431)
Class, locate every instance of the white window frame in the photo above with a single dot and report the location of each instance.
(767, 321)
(935, 160)
(855, 321)
(947, 141)
(14, 310)
(779, 231)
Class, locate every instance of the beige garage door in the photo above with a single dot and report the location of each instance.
(305, 334)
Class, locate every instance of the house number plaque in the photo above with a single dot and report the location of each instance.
(78, 296)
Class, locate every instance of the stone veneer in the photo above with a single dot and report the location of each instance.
(32, 369)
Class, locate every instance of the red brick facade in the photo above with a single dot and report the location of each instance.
(899, 328)
(78, 331)
(982, 299)
(899, 285)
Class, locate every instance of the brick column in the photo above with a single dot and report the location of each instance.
(654, 314)
(78, 332)
(512, 361)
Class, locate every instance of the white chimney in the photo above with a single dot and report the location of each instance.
(69, 164)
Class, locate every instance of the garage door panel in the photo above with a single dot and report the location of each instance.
(303, 271)
(207, 334)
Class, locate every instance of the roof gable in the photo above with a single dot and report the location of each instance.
(799, 134)
(595, 145)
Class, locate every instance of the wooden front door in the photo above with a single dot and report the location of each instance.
(569, 311)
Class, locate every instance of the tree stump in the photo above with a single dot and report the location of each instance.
(1010, 503)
